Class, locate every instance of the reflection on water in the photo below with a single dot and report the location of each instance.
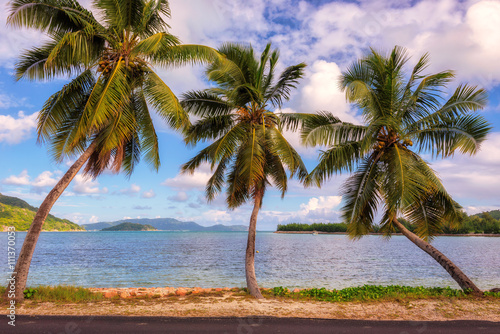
(216, 259)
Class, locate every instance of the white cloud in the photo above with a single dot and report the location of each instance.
(184, 182)
(41, 183)
(85, 185)
(320, 203)
(216, 216)
(12, 41)
(7, 101)
(20, 180)
(474, 177)
(321, 92)
(181, 196)
(473, 209)
(148, 194)
(44, 180)
(14, 130)
(131, 191)
(79, 218)
(317, 209)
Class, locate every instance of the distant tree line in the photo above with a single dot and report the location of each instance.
(482, 223)
(320, 227)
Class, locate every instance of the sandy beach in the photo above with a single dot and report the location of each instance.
(229, 303)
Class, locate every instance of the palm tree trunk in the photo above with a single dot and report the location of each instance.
(24, 261)
(463, 281)
(252, 285)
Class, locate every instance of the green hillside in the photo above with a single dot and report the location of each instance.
(130, 227)
(16, 212)
(495, 214)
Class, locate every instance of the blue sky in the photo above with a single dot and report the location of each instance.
(327, 35)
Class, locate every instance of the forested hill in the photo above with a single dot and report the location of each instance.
(18, 213)
(169, 224)
(129, 227)
(495, 214)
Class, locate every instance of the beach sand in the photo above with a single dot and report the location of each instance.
(227, 304)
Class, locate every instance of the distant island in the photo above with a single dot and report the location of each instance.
(168, 224)
(18, 213)
(130, 227)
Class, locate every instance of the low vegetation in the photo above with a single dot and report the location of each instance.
(374, 292)
(366, 293)
(59, 294)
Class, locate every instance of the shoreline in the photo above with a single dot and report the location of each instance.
(282, 232)
(235, 303)
(374, 233)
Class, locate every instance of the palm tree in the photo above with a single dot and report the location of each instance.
(102, 115)
(403, 116)
(248, 152)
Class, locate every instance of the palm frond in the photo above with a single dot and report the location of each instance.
(209, 129)
(164, 101)
(205, 103)
(52, 16)
(462, 133)
(106, 100)
(288, 80)
(280, 147)
(360, 194)
(342, 157)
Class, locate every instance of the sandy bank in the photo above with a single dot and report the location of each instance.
(229, 303)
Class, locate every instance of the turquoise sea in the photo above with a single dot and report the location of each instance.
(216, 259)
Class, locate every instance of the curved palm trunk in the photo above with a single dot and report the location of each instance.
(23, 262)
(252, 285)
(455, 272)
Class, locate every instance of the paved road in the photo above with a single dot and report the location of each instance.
(126, 325)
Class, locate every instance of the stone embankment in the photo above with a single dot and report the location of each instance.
(159, 292)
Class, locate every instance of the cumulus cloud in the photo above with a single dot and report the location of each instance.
(79, 218)
(85, 185)
(42, 182)
(317, 209)
(184, 182)
(181, 196)
(131, 191)
(473, 209)
(474, 177)
(45, 179)
(321, 92)
(19, 180)
(14, 130)
(148, 194)
(216, 216)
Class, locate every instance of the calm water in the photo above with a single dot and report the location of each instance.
(213, 259)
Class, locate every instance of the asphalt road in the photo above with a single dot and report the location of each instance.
(125, 325)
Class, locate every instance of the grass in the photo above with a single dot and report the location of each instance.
(373, 292)
(61, 294)
(71, 294)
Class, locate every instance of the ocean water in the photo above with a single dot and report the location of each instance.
(216, 259)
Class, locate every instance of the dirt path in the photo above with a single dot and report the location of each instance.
(228, 304)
